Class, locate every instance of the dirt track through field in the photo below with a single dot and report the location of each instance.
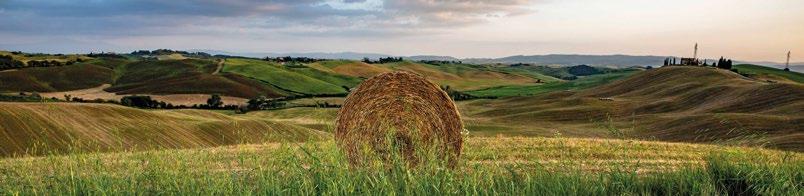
(176, 99)
(220, 67)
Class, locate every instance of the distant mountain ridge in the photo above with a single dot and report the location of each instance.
(319, 55)
(614, 61)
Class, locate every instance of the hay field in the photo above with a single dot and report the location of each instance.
(52, 79)
(503, 165)
(661, 105)
(175, 99)
(42, 128)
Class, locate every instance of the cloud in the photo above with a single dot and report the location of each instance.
(293, 17)
(456, 12)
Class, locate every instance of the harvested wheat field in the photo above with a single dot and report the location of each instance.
(399, 109)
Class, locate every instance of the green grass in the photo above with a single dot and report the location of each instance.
(462, 76)
(339, 80)
(335, 63)
(578, 84)
(507, 166)
(188, 76)
(764, 71)
(546, 73)
(287, 78)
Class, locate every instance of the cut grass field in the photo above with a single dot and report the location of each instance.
(510, 166)
(42, 128)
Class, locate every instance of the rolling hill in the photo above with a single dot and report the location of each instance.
(685, 104)
(296, 80)
(52, 79)
(44, 128)
(462, 76)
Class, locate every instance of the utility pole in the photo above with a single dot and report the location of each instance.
(787, 64)
(695, 56)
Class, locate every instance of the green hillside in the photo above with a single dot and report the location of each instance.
(553, 86)
(305, 81)
(188, 76)
(461, 76)
(769, 72)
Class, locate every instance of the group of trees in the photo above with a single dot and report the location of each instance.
(105, 55)
(583, 70)
(8, 62)
(461, 96)
(260, 103)
(669, 61)
(50, 63)
(723, 63)
(289, 59)
(22, 97)
(142, 101)
(383, 60)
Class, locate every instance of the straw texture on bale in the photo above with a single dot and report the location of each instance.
(413, 111)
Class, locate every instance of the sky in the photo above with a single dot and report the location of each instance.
(755, 30)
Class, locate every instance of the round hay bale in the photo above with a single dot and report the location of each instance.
(403, 111)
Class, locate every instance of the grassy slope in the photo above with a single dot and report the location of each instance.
(552, 85)
(687, 104)
(37, 128)
(773, 73)
(286, 78)
(349, 68)
(462, 76)
(515, 166)
(189, 76)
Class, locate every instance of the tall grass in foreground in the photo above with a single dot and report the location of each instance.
(321, 169)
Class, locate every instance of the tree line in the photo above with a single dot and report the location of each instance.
(383, 60)
(435, 62)
(8, 62)
(146, 102)
(106, 55)
(158, 52)
(722, 63)
(289, 59)
(461, 96)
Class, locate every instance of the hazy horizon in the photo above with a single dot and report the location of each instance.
(751, 30)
